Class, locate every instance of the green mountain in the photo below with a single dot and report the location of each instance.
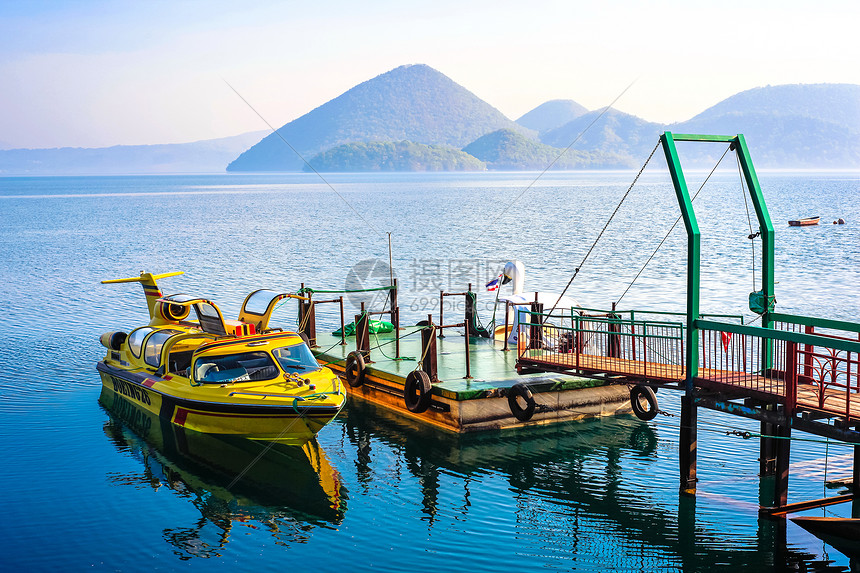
(414, 103)
(552, 114)
(616, 133)
(394, 156)
(790, 126)
(508, 150)
(833, 103)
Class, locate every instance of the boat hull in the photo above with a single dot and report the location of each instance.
(841, 533)
(286, 424)
(804, 222)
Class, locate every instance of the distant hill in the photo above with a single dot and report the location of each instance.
(616, 133)
(208, 156)
(833, 103)
(394, 156)
(508, 150)
(414, 103)
(791, 126)
(552, 114)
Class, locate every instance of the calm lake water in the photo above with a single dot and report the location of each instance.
(90, 485)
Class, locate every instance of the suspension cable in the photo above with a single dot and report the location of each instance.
(672, 228)
(752, 235)
(576, 271)
(306, 162)
(560, 155)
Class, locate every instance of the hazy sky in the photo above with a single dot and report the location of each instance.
(93, 73)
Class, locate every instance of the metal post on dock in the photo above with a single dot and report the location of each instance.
(536, 330)
(783, 455)
(688, 444)
(307, 319)
(397, 333)
(855, 484)
(767, 446)
(614, 327)
(428, 350)
(441, 308)
(468, 362)
(362, 334)
(505, 334)
(342, 323)
(395, 319)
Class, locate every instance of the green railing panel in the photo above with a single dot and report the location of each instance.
(817, 322)
(771, 334)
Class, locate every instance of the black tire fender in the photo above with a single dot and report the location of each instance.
(354, 369)
(640, 393)
(515, 393)
(416, 391)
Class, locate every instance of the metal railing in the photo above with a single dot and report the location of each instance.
(804, 363)
(801, 367)
(641, 349)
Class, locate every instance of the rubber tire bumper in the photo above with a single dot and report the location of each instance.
(637, 393)
(354, 370)
(520, 390)
(416, 391)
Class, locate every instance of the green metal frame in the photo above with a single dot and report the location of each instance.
(694, 249)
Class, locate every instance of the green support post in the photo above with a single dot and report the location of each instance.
(694, 255)
(688, 408)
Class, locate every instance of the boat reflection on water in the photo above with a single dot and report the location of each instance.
(230, 480)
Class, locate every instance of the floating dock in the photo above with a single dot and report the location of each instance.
(480, 402)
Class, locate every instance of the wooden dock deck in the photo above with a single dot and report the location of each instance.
(811, 394)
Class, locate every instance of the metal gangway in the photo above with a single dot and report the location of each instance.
(788, 371)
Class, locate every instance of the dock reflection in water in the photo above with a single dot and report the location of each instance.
(287, 490)
(572, 500)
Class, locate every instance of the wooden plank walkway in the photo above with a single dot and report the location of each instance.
(738, 384)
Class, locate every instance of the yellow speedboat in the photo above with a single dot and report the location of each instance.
(219, 376)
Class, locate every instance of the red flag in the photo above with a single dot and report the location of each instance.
(727, 338)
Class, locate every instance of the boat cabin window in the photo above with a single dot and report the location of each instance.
(135, 339)
(258, 302)
(296, 358)
(154, 344)
(210, 318)
(247, 366)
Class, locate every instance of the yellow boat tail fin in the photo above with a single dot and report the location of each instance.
(150, 287)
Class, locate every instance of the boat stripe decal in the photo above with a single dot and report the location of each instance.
(181, 414)
(229, 408)
(243, 416)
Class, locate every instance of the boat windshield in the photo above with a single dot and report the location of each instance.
(244, 367)
(296, 358)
